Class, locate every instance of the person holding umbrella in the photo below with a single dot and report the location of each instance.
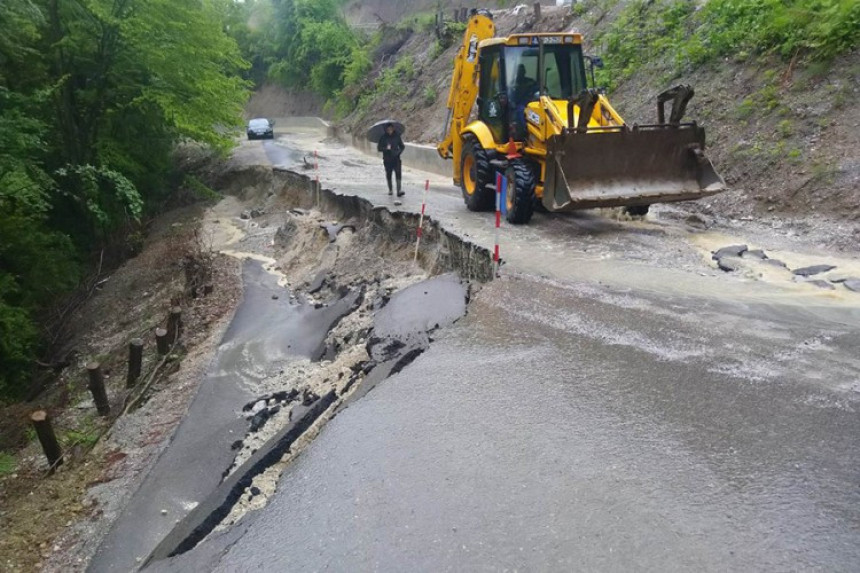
(391, 145)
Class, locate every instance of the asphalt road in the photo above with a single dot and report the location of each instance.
(613, 402)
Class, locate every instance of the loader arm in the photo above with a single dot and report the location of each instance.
(464, 87)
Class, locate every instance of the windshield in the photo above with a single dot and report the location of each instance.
(258, 123)
(563, 74)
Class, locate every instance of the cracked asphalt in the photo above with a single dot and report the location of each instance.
(612, 402)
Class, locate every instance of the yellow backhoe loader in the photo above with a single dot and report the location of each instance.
(557, 141)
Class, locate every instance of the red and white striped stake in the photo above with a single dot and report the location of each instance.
(421, 220)
(317, 171)
(497, 261)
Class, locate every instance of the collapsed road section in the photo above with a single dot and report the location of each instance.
(333, 304)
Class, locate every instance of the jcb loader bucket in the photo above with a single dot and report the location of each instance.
(611, 167)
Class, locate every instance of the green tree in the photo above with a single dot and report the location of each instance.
(94, 97)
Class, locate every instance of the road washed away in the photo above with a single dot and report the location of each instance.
(616, 399)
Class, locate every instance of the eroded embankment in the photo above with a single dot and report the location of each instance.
(348, 272)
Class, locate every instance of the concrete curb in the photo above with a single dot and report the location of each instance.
(416, 155)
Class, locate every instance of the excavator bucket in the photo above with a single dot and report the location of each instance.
(620, 166)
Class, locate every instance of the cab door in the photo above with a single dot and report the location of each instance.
(492, 96)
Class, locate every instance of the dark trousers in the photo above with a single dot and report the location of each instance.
(392, 166)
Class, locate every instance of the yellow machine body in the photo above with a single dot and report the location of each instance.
(579, 150)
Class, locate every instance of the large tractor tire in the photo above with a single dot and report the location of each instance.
(520, 198)
(476, 174)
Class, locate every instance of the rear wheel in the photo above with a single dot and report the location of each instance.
(520, 197)
(475, 174)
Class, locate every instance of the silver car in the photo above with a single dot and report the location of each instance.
(261, 128)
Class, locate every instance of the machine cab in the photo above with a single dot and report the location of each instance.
(518, 70)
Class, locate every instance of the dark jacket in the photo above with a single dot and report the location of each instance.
(396, 143)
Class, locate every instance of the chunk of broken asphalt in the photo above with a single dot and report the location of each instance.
(813, 270)
(731, 251)
(821, 284)
(729, 264)
(775, 263)
(755, 254)
(852, 285)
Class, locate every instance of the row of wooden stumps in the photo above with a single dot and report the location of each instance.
(165, 338)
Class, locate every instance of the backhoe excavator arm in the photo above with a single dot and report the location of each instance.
(464, 87)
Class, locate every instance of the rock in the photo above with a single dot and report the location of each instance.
(852, 285)
(754, 254)
(775, 263)
(731, 251)
(821, 284)
(696, 221)
(308, 397)
(285, 233)
(246, 214)
(842, 279)
(254, 490)
(813, 270)
(275, 297)
(256, 212)
(729, 264)
(259, 420)
(333, 229)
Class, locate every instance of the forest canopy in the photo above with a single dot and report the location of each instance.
(94, 97)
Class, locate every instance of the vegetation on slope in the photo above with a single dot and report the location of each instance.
(693, 36)
(94, 96)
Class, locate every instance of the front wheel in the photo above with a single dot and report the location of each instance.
(520, 197)
(475, 176)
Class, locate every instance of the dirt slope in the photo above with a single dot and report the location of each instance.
(784, 136)
(274, 101)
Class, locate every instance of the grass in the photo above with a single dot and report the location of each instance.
(7, 464)
(684, 36)
(429, 96)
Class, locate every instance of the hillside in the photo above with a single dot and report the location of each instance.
(783, 132)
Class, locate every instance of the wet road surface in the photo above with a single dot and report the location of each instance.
(618, 405)
(558, 427)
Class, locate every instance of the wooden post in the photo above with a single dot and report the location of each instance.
(161, 341)
(456, 14)
(45, 432)
(464, 14)
(135, 361)
(97, 388)
(537, 10)
(174, 324)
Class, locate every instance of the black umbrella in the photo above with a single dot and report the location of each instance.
(376, 130)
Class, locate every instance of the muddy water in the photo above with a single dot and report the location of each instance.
(584, 432)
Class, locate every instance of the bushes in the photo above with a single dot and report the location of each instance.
(821, 29)
(815, 30)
